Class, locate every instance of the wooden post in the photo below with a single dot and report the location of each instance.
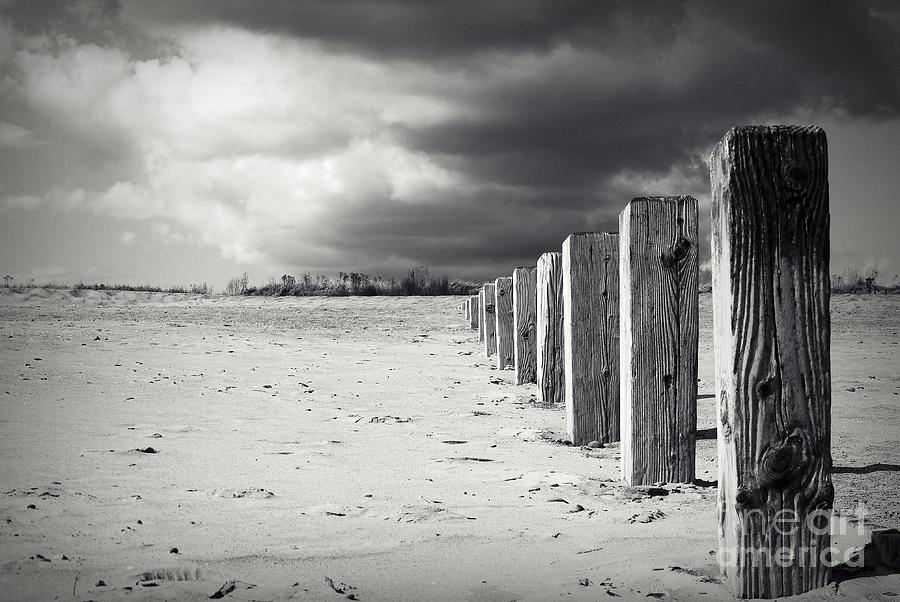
(473, 318)
(659, 327)
(503, 309)
(590, 274)
(480, 314)
(772, 337)
(468, 309)
(550, 370)
(524, 316)
(490, 322)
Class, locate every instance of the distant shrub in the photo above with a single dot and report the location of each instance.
(850, 281)
(237, 285)
(197, 289)
(418, 282)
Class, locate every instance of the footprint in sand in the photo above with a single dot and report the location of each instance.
(178, 573)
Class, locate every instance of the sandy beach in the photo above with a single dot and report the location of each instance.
(160, 446)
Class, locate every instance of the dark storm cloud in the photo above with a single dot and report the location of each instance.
(559, 112)
(423, 29)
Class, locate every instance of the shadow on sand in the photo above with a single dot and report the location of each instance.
(880, 467)
(875, 571)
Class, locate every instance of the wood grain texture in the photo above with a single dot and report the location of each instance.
(590, 269)
(489, 319)
(473, 317)
(770, 253)
(659, 329)
(524, 318)
(480, 315)
(549, 338)
(503, 311)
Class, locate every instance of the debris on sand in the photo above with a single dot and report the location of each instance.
(256, 493)
(641, 492)
(394, 419)
(147, 450)
(647, 517)
(341, 588)
(229, 587)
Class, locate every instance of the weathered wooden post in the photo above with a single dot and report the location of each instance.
(770, 248)
(550, 382)
(473, 318)
(468, 305)
(524, 316)
(590, 273)
(659, 327)
(480, 314)
(503, 310)
(490, 322)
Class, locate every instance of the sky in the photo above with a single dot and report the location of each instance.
(174, 142)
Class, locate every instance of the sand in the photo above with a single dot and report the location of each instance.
(173, 446)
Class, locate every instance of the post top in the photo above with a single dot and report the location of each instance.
(591, 234)
(662, 199)
(774, 129)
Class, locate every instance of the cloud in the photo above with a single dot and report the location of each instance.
(14, 136)
(127, 237)
(10, 204)
(352, 135)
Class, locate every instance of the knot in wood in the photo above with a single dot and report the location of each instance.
(782, 463)
(744, 498)
(489, 308)
(766, 388)
(796, 177)
(676, 253)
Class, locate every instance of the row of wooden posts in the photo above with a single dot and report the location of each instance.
(609, 326)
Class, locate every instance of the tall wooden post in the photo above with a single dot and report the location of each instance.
(489, 319)
(468, 305)
(590, 271)
(770, 252)
(524, 317)
(480, 314)
(658, 308)
(549, 339)
(503, 309)
(473, 318)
